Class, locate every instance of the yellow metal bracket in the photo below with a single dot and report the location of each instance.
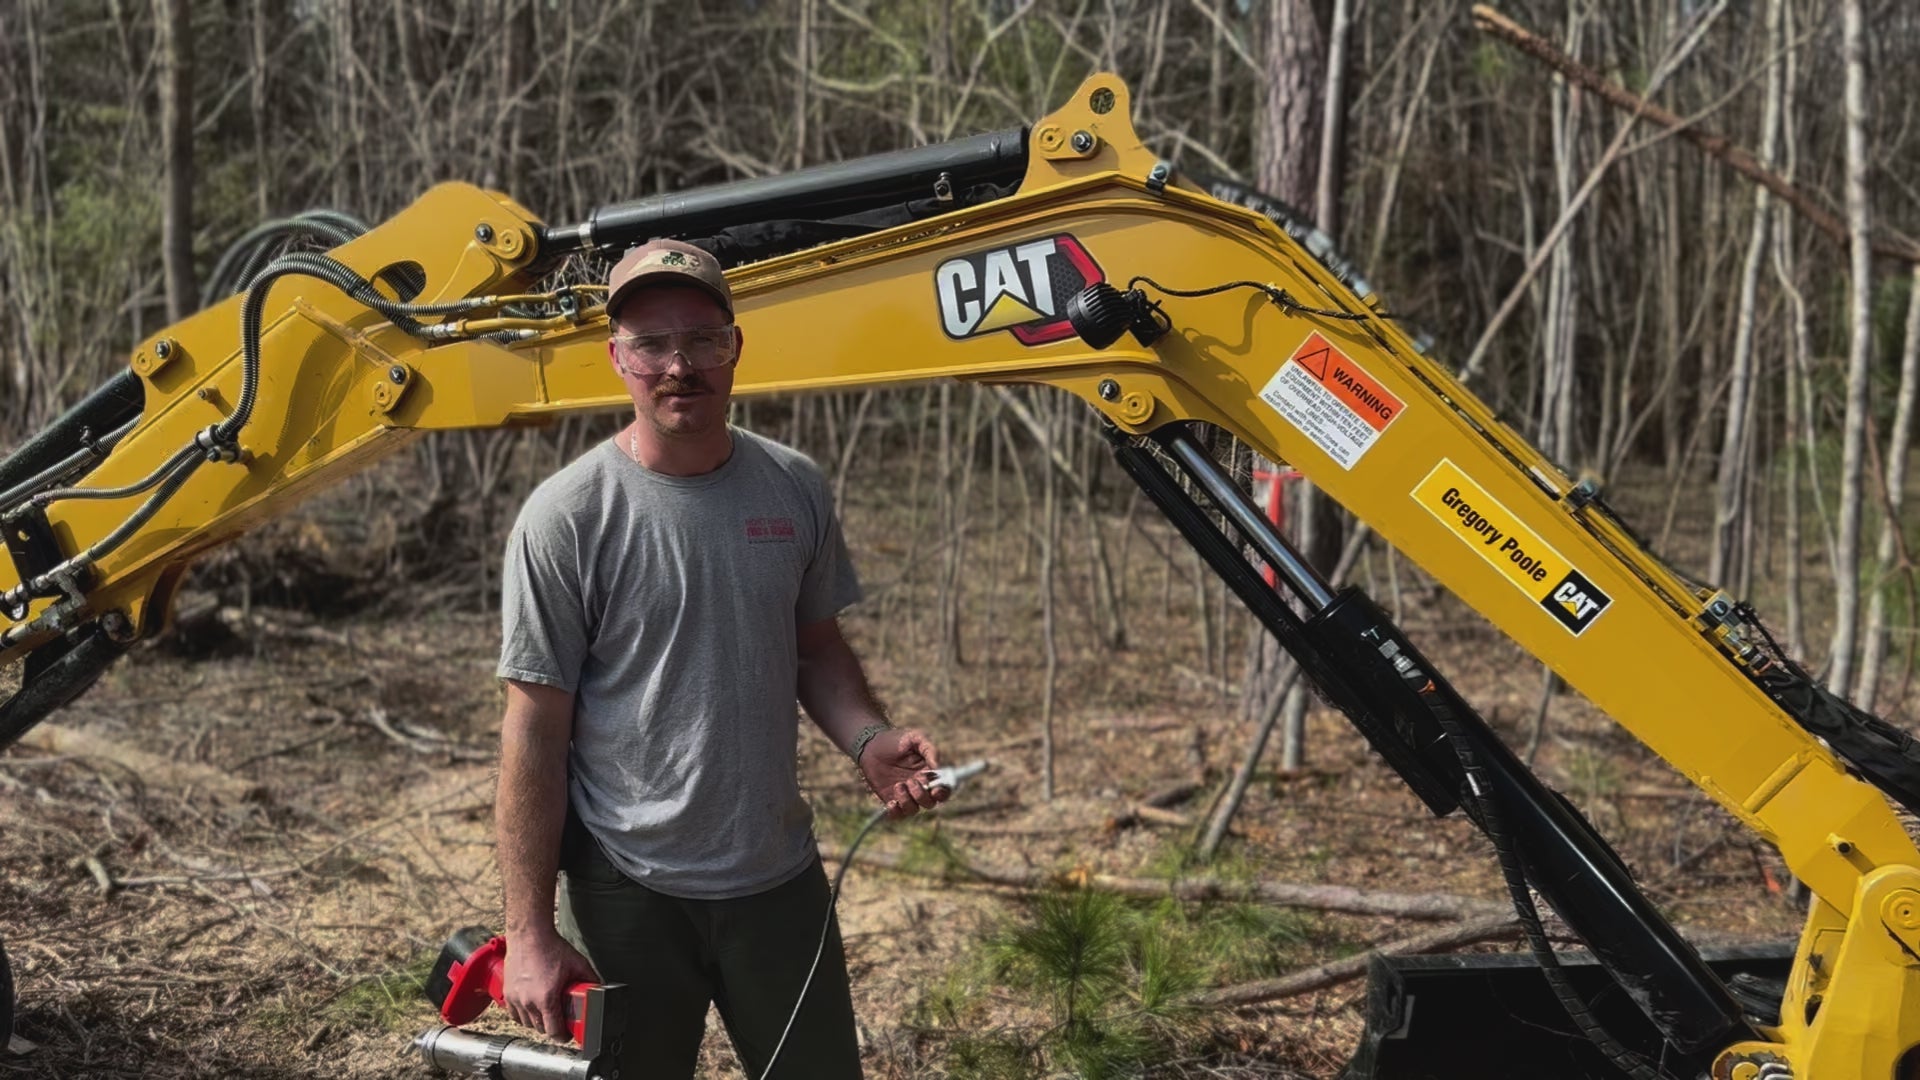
(391, 387)
(394, 375)
(1844, 1014)
(1092, 133)
(508, 241)
(156, 354)
(1901, 912)
(1055, 143)
(1129, 408)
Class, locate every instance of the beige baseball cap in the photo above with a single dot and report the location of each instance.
(667, 262)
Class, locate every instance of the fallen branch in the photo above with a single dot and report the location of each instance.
(1335, 972)
(1337, 898)
(101, 879)
(1440, 939)
(1150, 813)
(971, 828)
(251, 877)
(1170, 796)
(151, 768)
(1155, 808)
(1736, 157)
(421, 740)
(322, 735)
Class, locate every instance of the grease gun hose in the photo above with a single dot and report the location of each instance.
(950, 778)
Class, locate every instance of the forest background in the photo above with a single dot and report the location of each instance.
(1738, 375)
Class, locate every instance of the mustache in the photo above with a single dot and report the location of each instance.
(674, 384)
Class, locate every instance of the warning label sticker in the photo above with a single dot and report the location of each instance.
(1321, 391)
(1499, 537)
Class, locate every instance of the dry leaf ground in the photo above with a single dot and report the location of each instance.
(284, 936)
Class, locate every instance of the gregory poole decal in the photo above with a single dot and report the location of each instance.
(1021, 288)
(1499, 537)
(1321, 391)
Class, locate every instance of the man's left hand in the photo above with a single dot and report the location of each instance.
(895, 763)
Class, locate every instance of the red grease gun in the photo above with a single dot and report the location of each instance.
(467, 978)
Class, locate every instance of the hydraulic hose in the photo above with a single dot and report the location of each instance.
(329, 270)
(64, 469)
(243, 258)
(57, 494)
(1479, 795)
(169, 478)
(263, 254)
(219, 441)
(174, 481)
(109, 407)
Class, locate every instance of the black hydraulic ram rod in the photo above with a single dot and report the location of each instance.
(847, 187)
(1223, 554)
(1373, 674)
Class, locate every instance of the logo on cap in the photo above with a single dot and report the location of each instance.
(669, 261)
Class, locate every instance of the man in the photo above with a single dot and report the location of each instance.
(666, 599)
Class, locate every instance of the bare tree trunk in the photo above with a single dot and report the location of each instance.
(1885, 553)
(1295, 65)
(803, 72)
(1243, 776)
(1396, 164)
(1671, 318)
(1859, 354)
(1796, 633)
(1798, 404)
(1730, 506)
(1333, 128)
(947, 601)
(1562, 304)
(342, 114)
(1049, 564)
(174, 23)
(1302, 116)
(257, 100)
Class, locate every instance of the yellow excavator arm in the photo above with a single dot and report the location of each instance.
(1096, 269)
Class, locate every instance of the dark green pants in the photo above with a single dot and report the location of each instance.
(748, 956)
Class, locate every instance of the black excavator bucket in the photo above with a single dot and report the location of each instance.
(1492, 1016)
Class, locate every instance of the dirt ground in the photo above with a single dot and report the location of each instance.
(160, 929)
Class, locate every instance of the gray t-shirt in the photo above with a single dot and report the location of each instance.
(668, 606)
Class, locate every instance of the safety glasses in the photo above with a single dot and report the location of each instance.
(702, 346)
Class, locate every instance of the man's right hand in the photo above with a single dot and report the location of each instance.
(540, 967)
